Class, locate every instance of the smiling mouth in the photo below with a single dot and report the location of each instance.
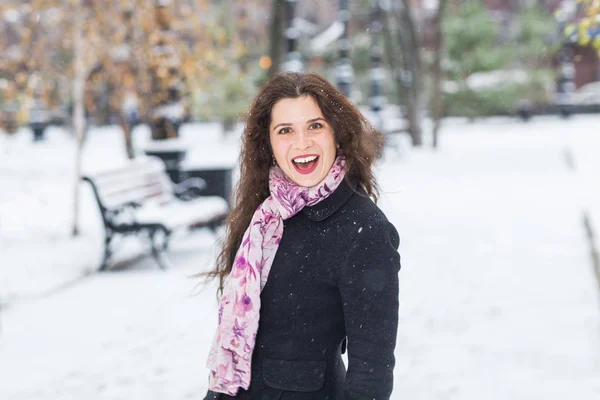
(305, 164)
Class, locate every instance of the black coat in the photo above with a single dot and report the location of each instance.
(335, 275)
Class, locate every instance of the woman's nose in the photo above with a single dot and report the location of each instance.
(303, 141)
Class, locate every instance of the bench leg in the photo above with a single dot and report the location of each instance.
(159, 247)
(161, 259)
(107, 253)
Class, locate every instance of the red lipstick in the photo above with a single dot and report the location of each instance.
(305, 168)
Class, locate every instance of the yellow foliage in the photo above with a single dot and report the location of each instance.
(589, 22)
(132, 44)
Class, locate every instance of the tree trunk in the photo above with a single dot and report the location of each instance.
(412, 69)
(388, 42)
(127, 128)
(437, 96)
(407, 70)
(78, 109)
(276, 36)
(137, 49)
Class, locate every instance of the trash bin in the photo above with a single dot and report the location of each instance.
(172, 153)
(218, 180)
(38, 119)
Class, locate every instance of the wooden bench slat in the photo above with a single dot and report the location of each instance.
(137, 191)
(145, 180)
(143, 163)
(130, 177)
(158, 196)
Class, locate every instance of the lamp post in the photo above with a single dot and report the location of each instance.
(293, 61)
(565, 84)
(376, 97)
(344, 72)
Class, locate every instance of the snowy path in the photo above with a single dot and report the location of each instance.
(498, 298)
(134, 334)
(585, 145)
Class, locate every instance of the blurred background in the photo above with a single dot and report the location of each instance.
(120, 124)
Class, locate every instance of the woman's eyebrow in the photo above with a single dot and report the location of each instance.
(282, 124)
(310, 121)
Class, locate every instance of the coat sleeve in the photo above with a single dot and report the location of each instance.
(368, 285)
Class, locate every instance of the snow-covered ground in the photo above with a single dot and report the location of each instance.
(498, 295)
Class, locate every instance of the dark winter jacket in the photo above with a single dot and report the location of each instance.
(335, 275)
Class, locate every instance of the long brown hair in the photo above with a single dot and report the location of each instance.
(359, 142)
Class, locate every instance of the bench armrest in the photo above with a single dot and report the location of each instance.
(131, 204)
(189, 189)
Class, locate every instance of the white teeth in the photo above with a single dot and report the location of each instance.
(305, 159)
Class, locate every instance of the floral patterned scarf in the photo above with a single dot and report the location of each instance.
(230, 356)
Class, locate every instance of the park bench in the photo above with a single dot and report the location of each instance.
(140, 199)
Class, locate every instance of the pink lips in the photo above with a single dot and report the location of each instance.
(308, 170)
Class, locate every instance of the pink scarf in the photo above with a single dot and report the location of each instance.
(230, 356)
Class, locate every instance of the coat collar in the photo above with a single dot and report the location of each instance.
(325, 208)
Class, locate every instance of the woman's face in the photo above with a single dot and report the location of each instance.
(302, 140)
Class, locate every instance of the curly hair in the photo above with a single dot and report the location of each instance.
(359, 142)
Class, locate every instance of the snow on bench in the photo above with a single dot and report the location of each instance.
(140, 199)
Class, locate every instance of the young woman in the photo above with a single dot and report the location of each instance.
(310, 263)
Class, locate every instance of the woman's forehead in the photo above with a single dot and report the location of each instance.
(297, 109)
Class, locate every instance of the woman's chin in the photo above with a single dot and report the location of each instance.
(308, 180)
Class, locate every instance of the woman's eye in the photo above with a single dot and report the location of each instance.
(285, 130)
(315, 125)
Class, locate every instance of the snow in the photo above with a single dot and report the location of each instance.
(172, 111)
(493, 79)
(588, 94)
(319, 43)
(498, 295)
(181, 214)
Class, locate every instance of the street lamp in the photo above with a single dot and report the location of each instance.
(376, 97)
(344, 72)
(566, 67)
